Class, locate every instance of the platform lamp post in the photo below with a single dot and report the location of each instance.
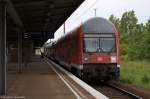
(2, 47)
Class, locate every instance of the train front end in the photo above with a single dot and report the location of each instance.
(100, 50)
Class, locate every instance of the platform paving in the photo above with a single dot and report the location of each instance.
(37, 81)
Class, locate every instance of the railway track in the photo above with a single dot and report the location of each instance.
(114, 92)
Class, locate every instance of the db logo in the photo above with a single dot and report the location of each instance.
(99, 58)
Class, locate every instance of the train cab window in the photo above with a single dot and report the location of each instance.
(99, 44)
(107, 44)
(91, 44)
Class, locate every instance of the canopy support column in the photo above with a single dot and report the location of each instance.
(2, 47)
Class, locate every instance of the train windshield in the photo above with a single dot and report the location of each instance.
(92, 44)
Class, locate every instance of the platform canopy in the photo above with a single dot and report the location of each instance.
(37, 19)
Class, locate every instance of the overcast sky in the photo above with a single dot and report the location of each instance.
(104, 9)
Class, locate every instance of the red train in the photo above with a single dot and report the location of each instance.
(90, 51)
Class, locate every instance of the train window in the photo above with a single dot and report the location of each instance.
(99, 44)
(91, 44)
(107, 44)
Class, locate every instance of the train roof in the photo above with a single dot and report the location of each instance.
(98, 25)
(93, 25)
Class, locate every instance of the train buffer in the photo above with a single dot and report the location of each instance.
(42, 79)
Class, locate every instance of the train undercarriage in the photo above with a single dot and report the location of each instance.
(98, 72)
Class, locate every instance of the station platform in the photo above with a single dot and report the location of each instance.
(40, 80)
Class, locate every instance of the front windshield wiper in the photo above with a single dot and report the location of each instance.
(111, 49)
(100, 50)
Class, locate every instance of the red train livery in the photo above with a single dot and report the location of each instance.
(90, 51)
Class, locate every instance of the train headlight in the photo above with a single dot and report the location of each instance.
(85, 58)
(113, 59)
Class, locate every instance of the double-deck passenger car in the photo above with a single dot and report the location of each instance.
(90, 51)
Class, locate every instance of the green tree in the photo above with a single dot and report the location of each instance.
(134, 37)
(128, 22)
(146, 41)
(115, 21)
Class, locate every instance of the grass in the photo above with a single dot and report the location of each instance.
(135, 73)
